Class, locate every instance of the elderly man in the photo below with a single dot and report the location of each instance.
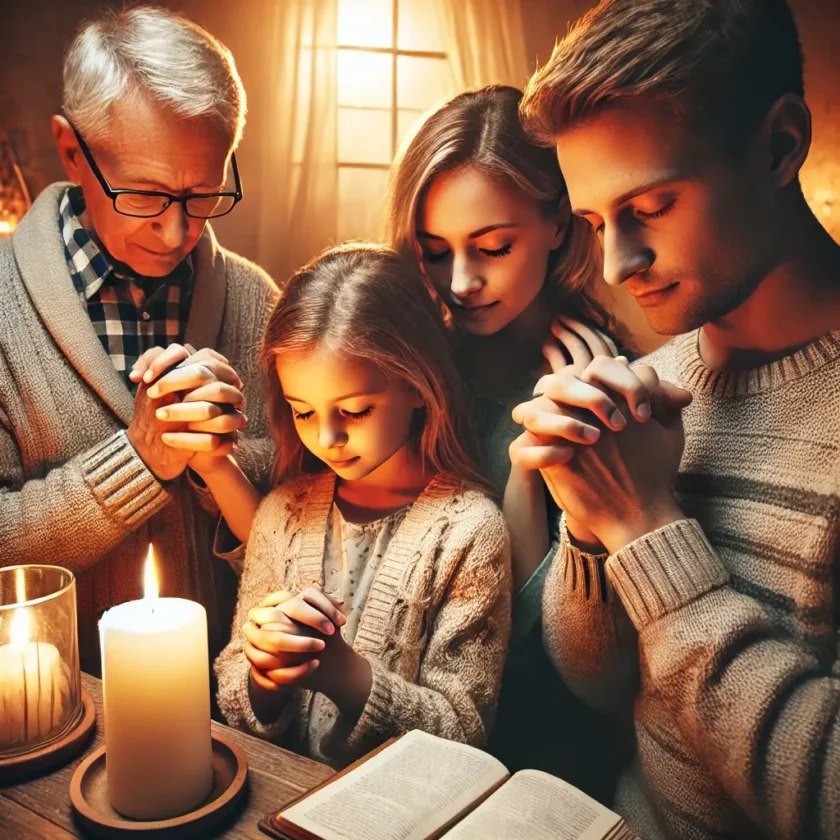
(97, 274)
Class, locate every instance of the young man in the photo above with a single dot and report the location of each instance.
(681, 128)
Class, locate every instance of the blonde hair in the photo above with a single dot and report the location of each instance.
(481, 129)
(364, 301)
(150, 50)
(720, 64)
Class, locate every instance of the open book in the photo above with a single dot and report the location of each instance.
(420, 787)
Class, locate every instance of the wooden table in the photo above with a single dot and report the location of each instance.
(41, 810)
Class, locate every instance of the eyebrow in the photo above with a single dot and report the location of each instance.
(133, 177)
(636, 191)
(422, 234)
(290, 398)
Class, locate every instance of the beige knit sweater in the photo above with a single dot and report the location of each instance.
(434, 628)
(736, 609)
(73, 492)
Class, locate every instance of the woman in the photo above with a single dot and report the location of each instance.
(486, 215)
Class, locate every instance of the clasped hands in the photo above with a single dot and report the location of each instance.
(295, 640)
(188, 409)
(608, 441)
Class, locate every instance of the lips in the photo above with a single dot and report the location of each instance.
(471, 310)
(651, 295)
(338, 465)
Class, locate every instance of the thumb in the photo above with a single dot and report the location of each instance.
(673, 398)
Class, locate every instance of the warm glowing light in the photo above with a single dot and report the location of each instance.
(150, 582)
(20, 585)
(20, 628)
(6, 227)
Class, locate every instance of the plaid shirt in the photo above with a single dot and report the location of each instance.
(126, 318)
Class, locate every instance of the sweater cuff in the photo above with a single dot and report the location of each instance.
(124, 486)
(665, 570)
(583, 573)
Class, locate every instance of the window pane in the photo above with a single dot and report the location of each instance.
(364, 136)
(419, 27)
(364, 79)
(422, 82)
(361, 199)
(407, 120)
(365, 23)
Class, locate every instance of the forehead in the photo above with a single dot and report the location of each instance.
(142, 133)
(322, 375)
(467, 199)
(626, 146)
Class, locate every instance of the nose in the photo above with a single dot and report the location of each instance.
(624, 256)
(331, 435)
(464, 279)
(172, 226)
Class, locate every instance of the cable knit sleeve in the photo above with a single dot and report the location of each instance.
(461, 664)
(587, 632)
(266, 570)
(761, 712)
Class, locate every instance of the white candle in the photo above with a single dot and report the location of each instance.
(33, 688)
(156, 690)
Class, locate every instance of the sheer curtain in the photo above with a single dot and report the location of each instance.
(298, 148)
(485, 41)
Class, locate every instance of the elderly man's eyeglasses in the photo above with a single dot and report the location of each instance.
(149, 203)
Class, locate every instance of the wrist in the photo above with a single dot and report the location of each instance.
(352, 689)
(620, 533)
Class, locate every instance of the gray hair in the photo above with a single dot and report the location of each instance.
(152, 51)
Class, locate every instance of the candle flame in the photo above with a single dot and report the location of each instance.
(20, 628)
(150, 583)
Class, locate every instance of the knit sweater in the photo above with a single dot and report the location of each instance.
(434, 628)
(73, 492)
(737, 722)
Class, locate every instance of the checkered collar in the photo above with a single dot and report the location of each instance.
(90, 265)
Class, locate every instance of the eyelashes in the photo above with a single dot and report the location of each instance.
(488, 252)
(350, 415)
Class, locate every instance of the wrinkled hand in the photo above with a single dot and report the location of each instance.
(289, 636)
(608, 442)
(197, 403)
(574, 344)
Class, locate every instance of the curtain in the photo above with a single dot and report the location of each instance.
(298, 146)
(485, 41)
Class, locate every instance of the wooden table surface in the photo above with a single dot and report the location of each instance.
(40, 809)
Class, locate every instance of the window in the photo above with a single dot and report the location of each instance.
(391, 69)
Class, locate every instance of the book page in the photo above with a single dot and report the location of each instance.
(536, 806)
(406, 792)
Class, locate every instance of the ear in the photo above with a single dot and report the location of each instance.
(416, 399)
(786, 138)
(68, 148)
(561, 222)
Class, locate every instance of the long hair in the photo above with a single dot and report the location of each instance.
(364, 301)
(481, 129)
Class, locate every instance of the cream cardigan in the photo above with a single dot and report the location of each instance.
(434, 629)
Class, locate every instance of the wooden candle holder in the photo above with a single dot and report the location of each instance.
(37, 762)
(89, 795)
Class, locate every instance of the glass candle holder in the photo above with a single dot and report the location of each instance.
(40, 679)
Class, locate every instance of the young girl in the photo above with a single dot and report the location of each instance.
(485, 214)
(387, 557)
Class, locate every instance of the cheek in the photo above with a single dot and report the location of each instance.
(522, 273)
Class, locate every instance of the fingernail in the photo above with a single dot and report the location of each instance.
(329, 629)
(644, 411)
(617, 419)
(162, 413)
(147, 376)
(591, 434)
(154, 392)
